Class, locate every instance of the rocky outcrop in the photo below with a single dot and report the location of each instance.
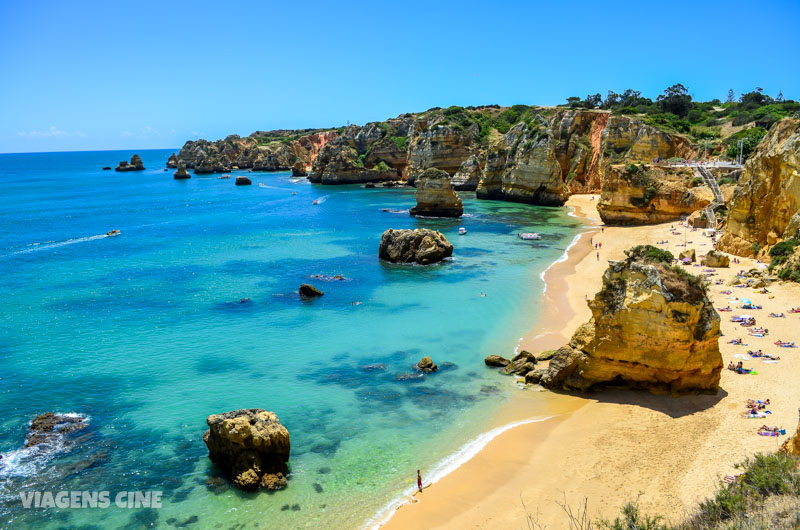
(134, 165)
(442, 147)
(468, 175)
(496, 361)
(715, 259)
(181, 173)
(435, 195)
(689, 253)
(261, 151)
(250, 446)
(172, 161)
(341, 164)
(309, 291)
(49, 427)
(242, 181)
(635, 194)
(420, 246)
(652, 327)
(426, 365)
(524, 168)
(765, 209)
(521, 364)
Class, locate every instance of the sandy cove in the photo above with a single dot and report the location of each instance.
(611, 446)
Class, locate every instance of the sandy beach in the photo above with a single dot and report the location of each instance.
(612, 446)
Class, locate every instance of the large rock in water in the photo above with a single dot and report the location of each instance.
(181, 173)
(243, 181)
(421, 246)
(135, 164)
(250, 446)
(436, 196)
(172, 162)
(765, 208)
(652, 328)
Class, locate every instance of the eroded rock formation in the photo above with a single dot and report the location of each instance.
(420, 246)
(715, 259)
(652, 327)
(766, 207)
(468, 175)
(309, 291)
(436, 196)
(644, 194)
(172, 161)
(181, 173)
(250, 446)
(47, 428)
(241, 181)
(134, 165)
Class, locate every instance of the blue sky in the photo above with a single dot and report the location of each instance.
(107, 75)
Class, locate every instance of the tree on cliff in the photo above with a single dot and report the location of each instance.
(676, 99)
(731, 96)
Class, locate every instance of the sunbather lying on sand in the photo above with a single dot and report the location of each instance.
(727, 308)
(758, 403)
(737, 342)
(785, 344)
(777, 315)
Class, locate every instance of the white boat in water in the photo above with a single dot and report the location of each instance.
(462, 231)
(529, 236)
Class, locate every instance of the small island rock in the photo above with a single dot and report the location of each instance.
(250, 446)
(134, 165)
(47, 427)
(421, 246)
(309, 291)
(426, 365)
(181, 174)
(243, 181)
(172, 162)
(436, 196)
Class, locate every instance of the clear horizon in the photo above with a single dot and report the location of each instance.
(182, 71)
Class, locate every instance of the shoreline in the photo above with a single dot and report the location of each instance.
(608, 447)
(517, 413)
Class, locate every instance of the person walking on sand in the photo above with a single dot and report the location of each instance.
(598, 256)
(419, 481)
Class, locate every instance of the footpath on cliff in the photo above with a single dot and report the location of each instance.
(608, 447)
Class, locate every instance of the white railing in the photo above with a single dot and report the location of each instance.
(719, 198)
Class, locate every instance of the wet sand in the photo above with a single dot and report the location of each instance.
(608, 447)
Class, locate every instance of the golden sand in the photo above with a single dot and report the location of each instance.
(609, 447)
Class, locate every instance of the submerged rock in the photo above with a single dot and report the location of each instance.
(436, 196)
(653, 327)
(309, 291)
(134, 165)
(48, 427)
(106, 168)
(421, 246)
(426, 365)
(250, 446)
(243, 181)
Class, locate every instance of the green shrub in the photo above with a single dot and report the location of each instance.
(382, 167)
(649, 254)
(401, 142)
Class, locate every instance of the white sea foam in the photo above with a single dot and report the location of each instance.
(561, 259)
(36, 247)
(444, 468)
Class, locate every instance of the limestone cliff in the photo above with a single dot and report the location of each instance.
(651, 328)
(468, 175)
(524, 168)
(765, 209)
(261, 151)
(644, 194)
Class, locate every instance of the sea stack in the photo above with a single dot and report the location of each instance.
(243, 181)
(172, 162)
(134, 165)
(436, 196)
(250, 446)
(653, 327)
(181, 174)
(420, 246)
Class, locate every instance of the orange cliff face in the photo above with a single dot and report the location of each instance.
(307, 147)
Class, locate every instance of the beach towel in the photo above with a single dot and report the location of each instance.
(770, 361)
(768, 433)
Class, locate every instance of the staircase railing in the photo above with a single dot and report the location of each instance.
(719, 198)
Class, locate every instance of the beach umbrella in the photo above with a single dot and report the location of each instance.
(745, 316)
(745, 301)
(686, 260)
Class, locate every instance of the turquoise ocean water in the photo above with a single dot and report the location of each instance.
(144, 333)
